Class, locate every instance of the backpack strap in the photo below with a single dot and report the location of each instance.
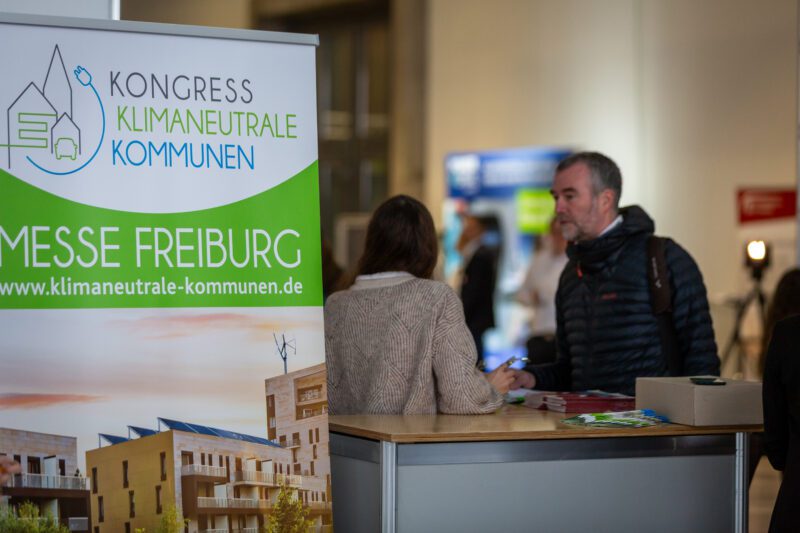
(661, 301)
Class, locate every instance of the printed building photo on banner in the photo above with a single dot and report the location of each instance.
(161, 329)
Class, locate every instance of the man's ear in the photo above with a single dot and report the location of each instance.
(607, 200)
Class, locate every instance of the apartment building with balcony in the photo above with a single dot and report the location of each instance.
(221, 481)
(49, 477)
(297, 417)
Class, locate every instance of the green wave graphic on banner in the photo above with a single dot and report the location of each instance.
(263, 251)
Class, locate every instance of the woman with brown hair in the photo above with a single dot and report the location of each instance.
(785, 302)
(781, 395)
(396, 341)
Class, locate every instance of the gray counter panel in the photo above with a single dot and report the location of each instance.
(653, 484)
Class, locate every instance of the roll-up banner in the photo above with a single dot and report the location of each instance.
(161, 331)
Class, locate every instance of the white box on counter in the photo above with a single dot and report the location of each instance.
(684, 402)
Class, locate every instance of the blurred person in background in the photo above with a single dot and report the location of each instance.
(785, 302)
(781, 395)
(396, 341)
(478, 276)
(538, 292)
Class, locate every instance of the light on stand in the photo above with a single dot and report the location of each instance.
(756, 259)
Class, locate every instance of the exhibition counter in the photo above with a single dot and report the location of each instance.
(523, 469)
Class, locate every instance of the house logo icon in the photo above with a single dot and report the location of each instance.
(42, 129)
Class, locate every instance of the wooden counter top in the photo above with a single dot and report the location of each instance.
(511, 422)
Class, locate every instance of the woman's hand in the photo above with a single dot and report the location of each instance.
(501, 378)
(523, 380)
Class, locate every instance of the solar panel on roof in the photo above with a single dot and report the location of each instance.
(261, 440)
(174, 424)
(142, 432)
(224, 433)
(203, 430)
(113, 439)
(214, 432)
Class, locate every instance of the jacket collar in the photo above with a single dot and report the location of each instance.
(594, 254)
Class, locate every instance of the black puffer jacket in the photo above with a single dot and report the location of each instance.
(607, 332)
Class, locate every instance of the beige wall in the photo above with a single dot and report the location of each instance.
(522, 72)
(692, 97)
(719, 90)
(32, 444)
(144, 474)
(312, 431)
(221, 13)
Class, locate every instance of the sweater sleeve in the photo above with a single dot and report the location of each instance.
(333, 393)
(460, 387)
(690, 314)
(776, 409)
(332, 364)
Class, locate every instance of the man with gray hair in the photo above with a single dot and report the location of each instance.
(612, 324)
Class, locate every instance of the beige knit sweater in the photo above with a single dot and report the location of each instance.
(399, 345)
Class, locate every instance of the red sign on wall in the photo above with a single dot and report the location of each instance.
(765, 204)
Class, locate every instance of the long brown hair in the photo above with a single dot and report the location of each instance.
(400, 237)
(785, 303)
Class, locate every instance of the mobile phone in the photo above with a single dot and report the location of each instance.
(514, 359)
(707, 380)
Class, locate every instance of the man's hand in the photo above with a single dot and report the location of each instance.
(8, 466)
(83, 76)
(501, 378)
(522, 380)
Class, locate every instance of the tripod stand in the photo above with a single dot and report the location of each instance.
(735, 341)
